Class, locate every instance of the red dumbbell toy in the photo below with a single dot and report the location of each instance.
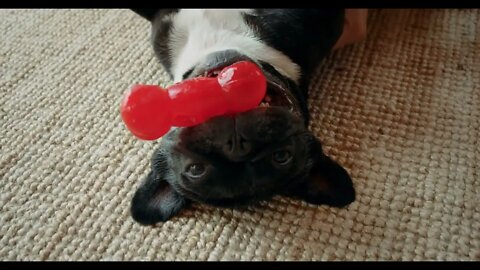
(150, 111)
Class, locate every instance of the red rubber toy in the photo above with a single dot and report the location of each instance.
(149, 111)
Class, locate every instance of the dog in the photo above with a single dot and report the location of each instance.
(236, 161)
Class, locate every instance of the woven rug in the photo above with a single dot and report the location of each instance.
(401, 111)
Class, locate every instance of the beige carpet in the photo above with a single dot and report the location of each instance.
(401, 111)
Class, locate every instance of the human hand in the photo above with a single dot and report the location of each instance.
(354, 28)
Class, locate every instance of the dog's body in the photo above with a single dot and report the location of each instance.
(233, 161)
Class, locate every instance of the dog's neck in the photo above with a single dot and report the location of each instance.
(195, 33)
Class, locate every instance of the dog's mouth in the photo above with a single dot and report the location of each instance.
(278, 95)
(277, 92)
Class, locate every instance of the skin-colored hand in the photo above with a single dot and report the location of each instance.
(354, 28)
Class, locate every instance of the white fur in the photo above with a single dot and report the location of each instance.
(198, 32)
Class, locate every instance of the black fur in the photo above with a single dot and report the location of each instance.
(259, 153)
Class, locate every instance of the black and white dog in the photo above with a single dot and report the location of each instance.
(234, 161)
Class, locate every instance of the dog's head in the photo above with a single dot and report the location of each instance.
(233, 161)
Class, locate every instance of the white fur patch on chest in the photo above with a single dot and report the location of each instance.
(199, 32)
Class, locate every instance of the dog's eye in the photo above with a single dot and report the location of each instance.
(282, 157)
(196, 170)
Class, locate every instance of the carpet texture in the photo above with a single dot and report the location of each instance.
(401, 111)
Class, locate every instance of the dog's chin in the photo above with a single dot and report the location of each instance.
(278, 92)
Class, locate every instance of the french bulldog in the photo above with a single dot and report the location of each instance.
(236, 161)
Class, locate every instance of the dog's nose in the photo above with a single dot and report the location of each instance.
(237, 148)
(214, 61)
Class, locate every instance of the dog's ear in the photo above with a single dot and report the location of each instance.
(147, 13)
(328, 182)
(156, 200)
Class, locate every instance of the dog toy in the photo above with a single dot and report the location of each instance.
(149, 111)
